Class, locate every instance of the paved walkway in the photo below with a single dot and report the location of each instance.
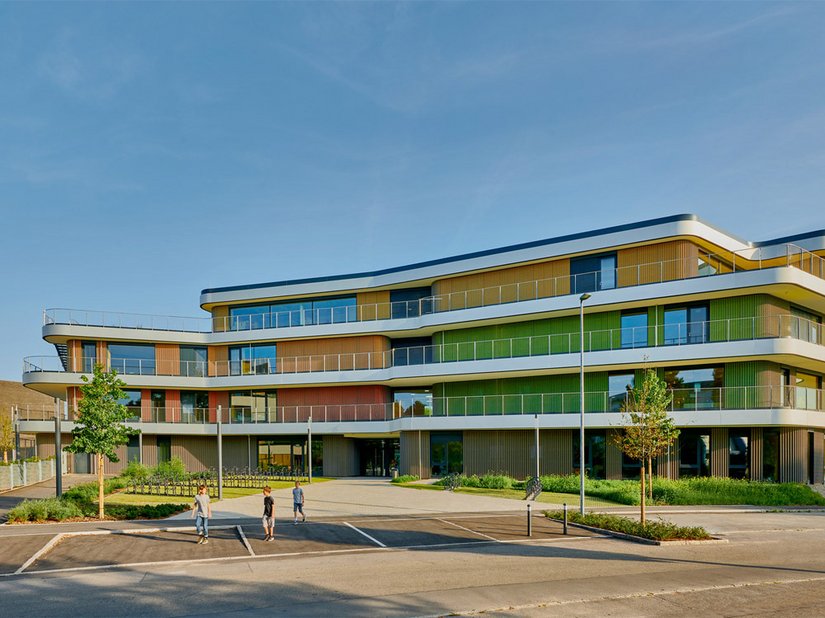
(46, 489)
(364, 497)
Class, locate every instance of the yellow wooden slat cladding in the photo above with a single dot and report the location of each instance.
(664, 261)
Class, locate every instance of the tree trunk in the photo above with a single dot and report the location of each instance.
(650, 478)
(100, 485)
(642, 510)
(5, 457)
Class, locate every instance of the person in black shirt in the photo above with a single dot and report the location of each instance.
(268, 519)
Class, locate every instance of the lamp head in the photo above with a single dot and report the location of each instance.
(584, 297)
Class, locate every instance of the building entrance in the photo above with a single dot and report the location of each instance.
(377, 457)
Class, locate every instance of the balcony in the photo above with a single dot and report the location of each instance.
(696, 400)
(706, 265)
(642, 337)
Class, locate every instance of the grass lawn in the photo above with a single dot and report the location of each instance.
(228, 492)
(518, 494)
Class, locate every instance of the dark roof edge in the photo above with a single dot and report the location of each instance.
(527, 245)
(791, 238)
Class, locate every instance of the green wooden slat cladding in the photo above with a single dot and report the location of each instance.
(529, 337)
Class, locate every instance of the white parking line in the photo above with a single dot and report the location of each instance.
(373, 539)
(486, 536)
(52, 542)
(245, 541)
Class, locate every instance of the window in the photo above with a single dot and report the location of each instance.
(412, 403)
(705, 268)
(294, 313)
(194, 406)
(164, 448)
(132, 402)
(739, 453)
(284, 453)
(698, 388)
(412, 351)
(594, 461)
(411, 302)
(132, 358)
(252, 359)
(770, 455)
(806, 393)
(694, 453)
(89, 356)
(686, 325)
(133, 449)
(446, 452)
(617, 385)
(193, 361)
(634, 330)
(158, 406)
(253, 406)
(805, 326)
(593, 272)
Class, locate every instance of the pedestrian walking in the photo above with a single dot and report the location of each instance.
(268, 519)
(202, 511)
(298, 503)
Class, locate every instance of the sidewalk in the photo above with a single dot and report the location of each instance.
(46, 489)
(365, 496)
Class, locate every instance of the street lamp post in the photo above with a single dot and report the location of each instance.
(582, 298)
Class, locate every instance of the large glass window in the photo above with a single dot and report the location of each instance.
(770, 455)
(133, 449)
(617, 387)
(805, 326)
(194, 406)
(159, 406)
(412, 403)
(164, 448)
(739, 453)
(694, 452)
(256, 359)
(132, 358)
(131, 400)
(594, 449)
(193, 361)
(89, 352)
(807, 392)
(686, 325)
(696, 388)
(253, 406)
(634, 330)
(413, 351)
(294, 313)
(446, 453)
(411, 302)
(593, 272)
(286, 454)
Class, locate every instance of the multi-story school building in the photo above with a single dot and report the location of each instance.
(450, 364)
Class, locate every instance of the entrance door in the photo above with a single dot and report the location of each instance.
(446, 453)
(376, 457)
(82, 463)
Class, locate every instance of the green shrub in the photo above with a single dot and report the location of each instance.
(622, 492)
(42, 510)
(405, 478)
(136, 471)
(144, 511)
(717, 490)
(658, 530)
(172, 470)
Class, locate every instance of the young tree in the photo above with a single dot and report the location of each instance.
(6, 435)
(99, 427)
(650, 430)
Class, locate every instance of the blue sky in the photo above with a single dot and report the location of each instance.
(150, 150)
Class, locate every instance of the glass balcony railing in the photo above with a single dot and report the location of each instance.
(627, 276)
(683, 400)
(641, 337)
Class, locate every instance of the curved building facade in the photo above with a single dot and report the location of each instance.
(457, 364)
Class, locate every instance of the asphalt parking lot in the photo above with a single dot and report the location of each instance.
(49, 552)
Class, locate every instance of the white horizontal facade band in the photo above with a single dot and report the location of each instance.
(803, 354)
(773, 417)
(785, 282)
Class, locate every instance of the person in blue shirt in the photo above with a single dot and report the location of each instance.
(298, 503)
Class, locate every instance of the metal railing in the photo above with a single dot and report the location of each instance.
(627, 276)
(697, 399)
(675, 334)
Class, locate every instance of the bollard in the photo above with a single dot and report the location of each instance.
(529, 522)
(565, 519)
